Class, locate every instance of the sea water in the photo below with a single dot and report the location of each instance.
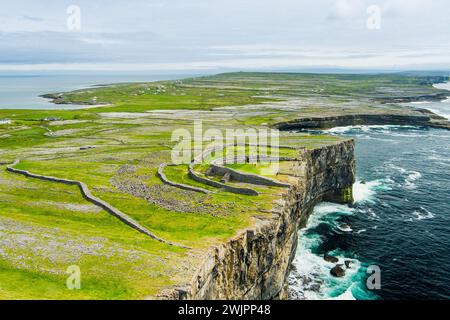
(22, 91)
(400, 221)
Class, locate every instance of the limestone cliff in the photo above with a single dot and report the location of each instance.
(421, 117)
(255, 264)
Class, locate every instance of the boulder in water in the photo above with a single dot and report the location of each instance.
(329, 258)
(348, 263)
(337, 271)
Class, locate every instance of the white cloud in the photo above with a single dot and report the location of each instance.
(346, 9)
(179, 33)
(102, 41)
(407, 7)
(388, 60)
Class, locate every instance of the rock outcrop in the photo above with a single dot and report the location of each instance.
(255, 263)
(329, 258)
(337, 271)
(425, 119)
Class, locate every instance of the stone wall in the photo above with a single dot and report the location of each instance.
(93, 199)
(255, 263)
(246, 177)
(238, 190)
(164, 179)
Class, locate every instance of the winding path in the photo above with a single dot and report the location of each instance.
(95, 200)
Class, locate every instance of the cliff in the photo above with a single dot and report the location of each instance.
(255, 263)
(424, 119)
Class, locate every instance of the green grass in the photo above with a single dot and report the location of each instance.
(127, 264)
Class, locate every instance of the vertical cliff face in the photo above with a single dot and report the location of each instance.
(255, 264)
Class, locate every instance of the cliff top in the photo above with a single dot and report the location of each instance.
(116, 149)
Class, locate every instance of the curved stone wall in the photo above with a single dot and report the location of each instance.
(247, 177)
(93, 199)
(223, 186)
(164, 179)
(255, 263)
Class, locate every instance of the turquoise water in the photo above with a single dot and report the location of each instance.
(400, 221)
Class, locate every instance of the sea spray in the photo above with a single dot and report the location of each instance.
(400, 220)
(310, 277)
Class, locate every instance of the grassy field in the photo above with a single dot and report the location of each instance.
(46, 227)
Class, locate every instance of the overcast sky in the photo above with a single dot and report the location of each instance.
(210, 35)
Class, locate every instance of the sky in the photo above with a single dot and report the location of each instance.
(224, 35)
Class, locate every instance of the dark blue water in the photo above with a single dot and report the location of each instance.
(400, 222)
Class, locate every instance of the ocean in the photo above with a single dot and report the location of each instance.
(21, 91)
(400, 221)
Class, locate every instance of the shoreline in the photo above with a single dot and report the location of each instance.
(427, 119)
(256, 263)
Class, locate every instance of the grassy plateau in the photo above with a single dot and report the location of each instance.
(115, 146)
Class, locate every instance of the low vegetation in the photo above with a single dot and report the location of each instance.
(116, 148)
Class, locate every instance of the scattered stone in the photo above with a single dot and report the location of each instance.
(337, 271)
(5, 121)
(329, 258)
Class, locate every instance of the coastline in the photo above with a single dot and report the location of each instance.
(255, 264)
(224, 263)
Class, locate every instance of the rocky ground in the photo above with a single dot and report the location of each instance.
(116, 149)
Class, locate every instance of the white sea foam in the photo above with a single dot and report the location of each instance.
(345, 228)
(371, 213)
(323, 211)
(363, 130)
(365, 191)
(347, 295)
(438, 158)
(423, 214)
(397, 168)
(311, 279)
(418, 102)
(360, 128)
(412, 176)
